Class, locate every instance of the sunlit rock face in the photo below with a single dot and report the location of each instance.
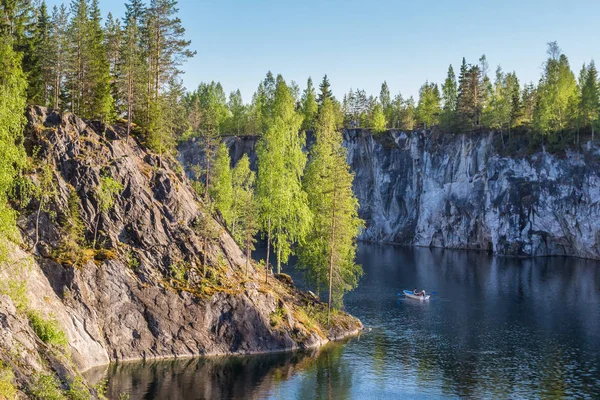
(457, 192)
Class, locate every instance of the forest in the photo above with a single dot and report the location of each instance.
(128, 71)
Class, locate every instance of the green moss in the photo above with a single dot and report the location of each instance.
(48, 330)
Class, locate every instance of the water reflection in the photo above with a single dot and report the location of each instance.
(496, 328)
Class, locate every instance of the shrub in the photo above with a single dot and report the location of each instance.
(17, 291)
(48, 330)
(78, 390)
(46, 387)
(7, 389)
(276, 316)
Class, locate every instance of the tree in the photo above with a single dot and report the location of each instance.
(113, 39)
(39, 63)
(282, 202)
(386, 101)
(449, 99)
(428, 108)
(221, 189)
(408, 117)
(324, 91)
(244, 218)
(106, 192)
(13, 85)
(46, 191)
(378, 122)
(130, 67)
(57, 59)
(327, 253)
(238, 112)
(556, 94)
(166, 49)
(590, 97)
(309, 106)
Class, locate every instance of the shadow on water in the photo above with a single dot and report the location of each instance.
(496, 328)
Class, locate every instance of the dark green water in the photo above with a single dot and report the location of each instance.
(496, 328)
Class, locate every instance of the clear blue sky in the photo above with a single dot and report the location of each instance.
(360, 44)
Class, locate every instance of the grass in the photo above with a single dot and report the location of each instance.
(17, 291)
(48, 330)
(7, 389)
(276, 317)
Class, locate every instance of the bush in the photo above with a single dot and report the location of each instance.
(276, 316)
(7, 389)
(46, 387)
(48, 330)
(17, 291)
(78, 390)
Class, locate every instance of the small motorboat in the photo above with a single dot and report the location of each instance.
(411, 295)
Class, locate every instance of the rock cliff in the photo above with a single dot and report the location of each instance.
(456, 191)
(142, 291)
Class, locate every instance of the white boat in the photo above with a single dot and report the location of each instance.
(411, 295)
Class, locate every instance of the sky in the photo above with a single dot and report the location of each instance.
(359, 44)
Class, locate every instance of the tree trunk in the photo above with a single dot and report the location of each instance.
(248, 243)
(278, 259)
(331, 247)
(205, 251)
(96, 231)
(268, 251)
(37, 224)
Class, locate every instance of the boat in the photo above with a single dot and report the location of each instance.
(411, 295)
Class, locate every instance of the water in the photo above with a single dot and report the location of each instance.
(496, 328)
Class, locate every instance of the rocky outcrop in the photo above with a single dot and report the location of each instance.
(456, 191)
(142, 291)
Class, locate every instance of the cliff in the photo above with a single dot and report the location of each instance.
(141, 291)
(457, 191)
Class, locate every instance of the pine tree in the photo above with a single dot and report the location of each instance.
(101, 103)
(112, 43)
(130, 68)
(328, 252)
(166, 50)
(309, 106)
(59, 45)
(39, 75)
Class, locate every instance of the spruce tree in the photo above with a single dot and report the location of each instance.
(324, 91)
(59, 49)
(449, 100)
(428, 109)
(309, 106)
(112, 43)
(590, 97)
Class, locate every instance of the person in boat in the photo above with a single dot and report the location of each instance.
(417, 293)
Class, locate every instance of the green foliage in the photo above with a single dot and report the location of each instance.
(556, 94)
(47, 329)
(12, 153)
(327, 252)
(378, 122)
(222, 186)
(7, 388)
(106, 193)
(78, 390)
(46, 387)
(309, 106)
(282, 203)
(17, 291)
(132, 261)
(428, 109)
(276, 317)
(70, 250)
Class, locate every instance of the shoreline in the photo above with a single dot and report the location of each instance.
(316, 345)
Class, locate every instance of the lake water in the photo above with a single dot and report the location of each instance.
(495, 328)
